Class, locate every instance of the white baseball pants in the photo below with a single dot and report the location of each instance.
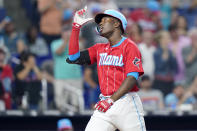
(126, 114)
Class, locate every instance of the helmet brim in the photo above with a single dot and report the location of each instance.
(99, 17)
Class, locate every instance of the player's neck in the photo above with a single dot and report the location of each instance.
(114, 39)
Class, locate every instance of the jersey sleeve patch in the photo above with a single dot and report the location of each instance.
(136, 62)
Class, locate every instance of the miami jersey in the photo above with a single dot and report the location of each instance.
(114, 63)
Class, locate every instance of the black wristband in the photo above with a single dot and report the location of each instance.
(84, 59)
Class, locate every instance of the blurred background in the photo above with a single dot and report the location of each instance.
(38, 87)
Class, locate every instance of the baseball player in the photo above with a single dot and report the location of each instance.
(119, 67)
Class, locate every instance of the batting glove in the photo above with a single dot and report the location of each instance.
(104, 105)
(80, 17)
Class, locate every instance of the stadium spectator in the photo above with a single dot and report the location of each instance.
(149, 17)
(134, 32)
(174, 17)
(27, 81)
(166, 11)
(6, 77)
(165, 64)
(190, 57)
(178, 97)
(31, 11)
(177, 43)
(190, 13)
(68, 78)
(12, 39)
(51, 19)
(182, 26)
(36, 44)
(147, 50)
(151, 99)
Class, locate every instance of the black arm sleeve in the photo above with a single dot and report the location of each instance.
(84, 59)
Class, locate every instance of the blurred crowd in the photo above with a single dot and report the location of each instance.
(33, 68)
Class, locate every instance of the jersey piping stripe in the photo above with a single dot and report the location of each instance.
(123, 61)
(114, 79)
(138, 114)
(102, 75)
(107, 80)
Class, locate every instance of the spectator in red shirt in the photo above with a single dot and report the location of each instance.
(6, 77)
(148, 17)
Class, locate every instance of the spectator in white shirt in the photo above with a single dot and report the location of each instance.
(147, 50)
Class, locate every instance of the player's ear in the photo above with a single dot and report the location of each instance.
(116, 23)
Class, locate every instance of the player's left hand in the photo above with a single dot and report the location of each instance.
(80, 17)
(104, 105)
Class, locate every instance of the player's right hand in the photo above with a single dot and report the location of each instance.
(104, 105)
(80, 17)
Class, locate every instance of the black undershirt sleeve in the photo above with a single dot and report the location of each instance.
(84, 59)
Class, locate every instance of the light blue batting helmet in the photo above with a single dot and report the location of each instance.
(64, 124)
(115, 14)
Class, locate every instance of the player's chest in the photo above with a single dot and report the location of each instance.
(110, 57)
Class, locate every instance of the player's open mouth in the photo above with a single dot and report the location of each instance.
(101, 28)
